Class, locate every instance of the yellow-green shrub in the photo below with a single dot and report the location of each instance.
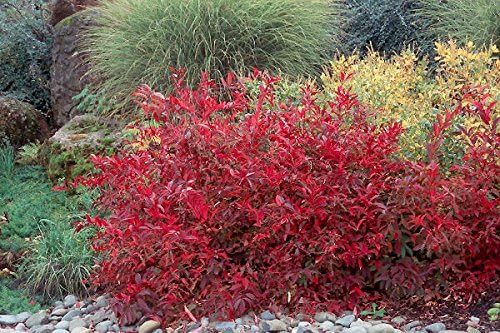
(404, 89)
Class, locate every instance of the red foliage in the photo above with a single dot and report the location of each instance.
(233, 205)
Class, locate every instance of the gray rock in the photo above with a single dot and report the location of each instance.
(361, 323)
(59, 312)
(72, 314)
(355, 329)
(411, 325)
(44, 329)
(60, 331)
(266, 315)
(274, 325)
(101, 302)
(223, 325)
(39, 318)
(149, 326)
(398, 320)
(77, 322)
(324, 316)
(8, 320)
(69, 301)
(23, 316)
(21, 327)
(254, 329)
(471, 329)
(435, 328)
(62, 325)
(81, 330)
(345, 320)
(327, 326)
(381, 328)
(159, 330)
(452, 331)
(204, 322)
(99, 316)
(104, 326)
(192, 326)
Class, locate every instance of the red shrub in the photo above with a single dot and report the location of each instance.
(231, 205)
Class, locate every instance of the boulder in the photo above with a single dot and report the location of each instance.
(66, 154)
(69, 65)
(20, 123)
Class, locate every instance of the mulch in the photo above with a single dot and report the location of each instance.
(453, 313)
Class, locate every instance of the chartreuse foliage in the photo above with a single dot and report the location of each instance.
(228, 203)
(134, 43)
(403, 89)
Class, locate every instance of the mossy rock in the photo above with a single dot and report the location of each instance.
(66, 154)
(20, 123)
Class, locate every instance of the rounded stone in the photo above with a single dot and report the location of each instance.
(37, 319)
(62, 325)
(381, 328)
(345, 320)
(266, 315)
(274, 325)
(149, 326)
(355, 329)
(77, 322)
(69, 301)
(60, 331)
(435, 328)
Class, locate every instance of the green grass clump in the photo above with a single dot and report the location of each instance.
(59, 263)
(7, 160)
(135, 42)
(462, 20)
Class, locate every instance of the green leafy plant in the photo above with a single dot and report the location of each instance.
(28, 154)
(134, 43)
(7, 160)
(25, 43)
(91, 101)
(59, 263)
(463, 20)
(374, 312)
(494, 312)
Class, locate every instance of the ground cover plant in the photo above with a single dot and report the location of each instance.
(134, 44)
(39, 258)
(231, 204)
(405, 89)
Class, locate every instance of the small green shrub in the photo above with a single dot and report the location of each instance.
(25, 43)
(462, 20)
(15, 300)
(134, 43)
(59, 263)
(385, 25)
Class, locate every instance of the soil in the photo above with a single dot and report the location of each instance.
(453, 313)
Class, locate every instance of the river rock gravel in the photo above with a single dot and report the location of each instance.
(72, 315)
